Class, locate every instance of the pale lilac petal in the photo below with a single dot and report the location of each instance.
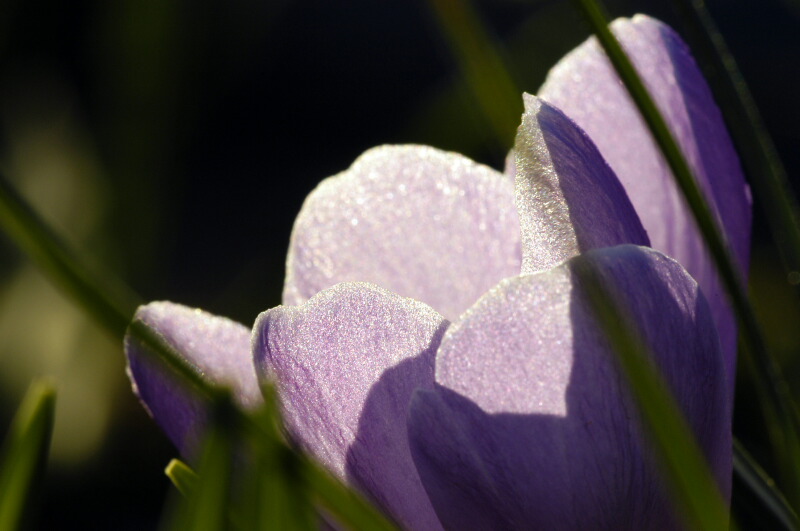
(346, 363)
(585, 86)
(510, 167)
(569, 201)
(218, 347)
(531, 426)
(423, 223)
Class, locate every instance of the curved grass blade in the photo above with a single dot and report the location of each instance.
(182, 476)
(685, 469)
(767, 176)
(758, 152)
(272, 493)
(275, 488)
(159, 347)
(303, 477)
(207, 508)
(275, 495)
(345, 506)
(482, 67)
(763, 487)
(112, 305)
(25, 453)
(109, 302)
(775, 397)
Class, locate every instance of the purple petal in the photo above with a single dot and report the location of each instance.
(423, 223)
(531, 425)
(218, 347)
(585, 86)
(569, 201)
(346, 363)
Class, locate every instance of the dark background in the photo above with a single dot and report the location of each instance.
(174, 142)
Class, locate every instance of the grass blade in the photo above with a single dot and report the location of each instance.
(208, 506)
(276, 493)
(300, 476)
(685, 468)
(345, 506)
(767, 177)
(25, 453)
(183, 477)
(482, 67)
(775, 397)
(107, 301)
(760, 158)
(763, 487)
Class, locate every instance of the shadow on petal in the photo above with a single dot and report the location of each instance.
(556, 443)
(379, 461)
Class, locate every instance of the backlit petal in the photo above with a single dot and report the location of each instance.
(218, 347)
(569, 201)
(531, 425)
(423, 223)
(346, 363)
(585, 86)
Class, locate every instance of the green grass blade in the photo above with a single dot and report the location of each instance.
(25, 453)
(208, 506)
(770, 185)
(754, 143)
(183, 477)
(775, 396)
(303, 478)
(763, 487)
(159, 347)
(482, 66)
(344, 505)
(109, 302)
(275, 488)
(273, 493)
(280, 498)
(685, 469)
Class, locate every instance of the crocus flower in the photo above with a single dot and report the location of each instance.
(436, 348)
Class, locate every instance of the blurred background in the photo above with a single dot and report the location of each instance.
(174, 142)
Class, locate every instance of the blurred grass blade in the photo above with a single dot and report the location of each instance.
(685, 469)
(157, 346)
(760, 158)
(273, 493)
(108, 302)
(297, 490)
(344, 505)
(482, 66)
(208, 506)
(25, 453)
(763, 487)
(183, 477)
(279, 497)
(274, 488)
(775, 397)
